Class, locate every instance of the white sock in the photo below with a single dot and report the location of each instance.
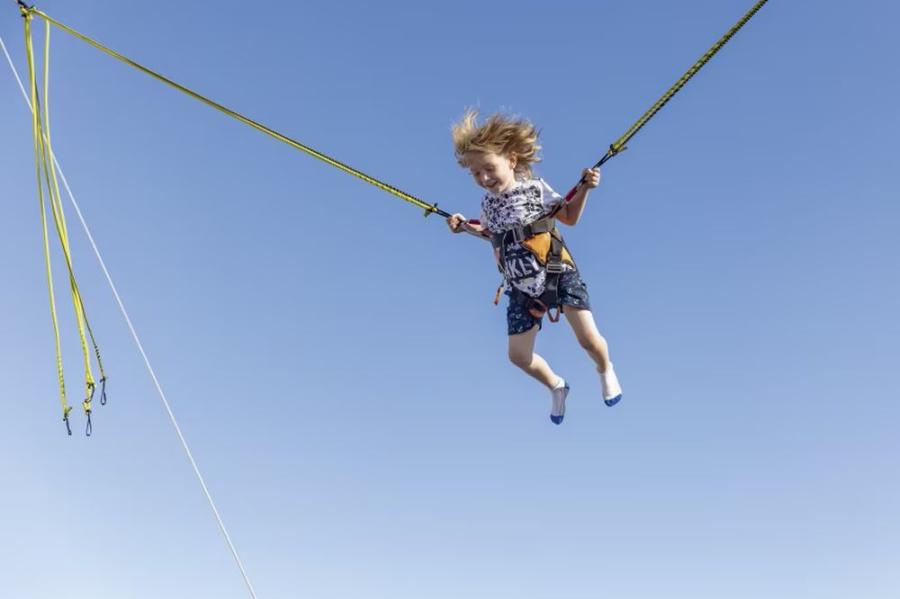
(610, 383)
(560, 383)
(558, 395)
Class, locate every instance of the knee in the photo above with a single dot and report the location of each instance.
(590, 343)
(520, 358)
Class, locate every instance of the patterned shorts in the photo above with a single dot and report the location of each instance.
(572, 292)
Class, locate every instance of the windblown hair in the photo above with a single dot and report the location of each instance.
(499, 134)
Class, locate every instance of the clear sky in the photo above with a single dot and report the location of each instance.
(334, 358)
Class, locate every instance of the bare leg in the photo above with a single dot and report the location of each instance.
(521, 353)
(594, 344)
(582, 323)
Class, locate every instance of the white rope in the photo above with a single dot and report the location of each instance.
(140, 346)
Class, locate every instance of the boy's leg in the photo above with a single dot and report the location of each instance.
(582, 323)
(521, 353)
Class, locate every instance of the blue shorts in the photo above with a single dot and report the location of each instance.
(572, 292)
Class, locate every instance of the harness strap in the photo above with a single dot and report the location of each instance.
(550, 297)
(548, 301)
(520, 234)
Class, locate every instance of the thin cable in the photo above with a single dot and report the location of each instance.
(140, 346)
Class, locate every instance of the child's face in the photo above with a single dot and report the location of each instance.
(493, 172)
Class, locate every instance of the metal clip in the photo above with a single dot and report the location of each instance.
(25, 9)
(554, 268)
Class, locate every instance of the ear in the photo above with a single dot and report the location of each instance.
(513, 161)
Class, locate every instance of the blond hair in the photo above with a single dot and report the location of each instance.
(500, 134)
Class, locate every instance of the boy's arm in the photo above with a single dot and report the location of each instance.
(459, 224)
(571, 211)
(455, 222)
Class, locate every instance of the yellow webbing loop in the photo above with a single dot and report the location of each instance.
(59, 216)
(38, 151)
(46, 175)
(428, 208)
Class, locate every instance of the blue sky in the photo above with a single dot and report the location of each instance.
(335, 361)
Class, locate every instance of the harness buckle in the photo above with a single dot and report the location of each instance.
(554, 268)
(66, 419)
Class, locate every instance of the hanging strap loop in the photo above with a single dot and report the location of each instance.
(66, 420)
(51, 202)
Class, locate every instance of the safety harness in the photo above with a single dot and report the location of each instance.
(543, 239)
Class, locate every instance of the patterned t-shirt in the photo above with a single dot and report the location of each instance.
(527, 201)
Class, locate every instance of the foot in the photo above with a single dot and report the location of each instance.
(558, 407)
(612, 390)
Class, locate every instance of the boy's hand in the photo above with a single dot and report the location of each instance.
(591, 177)
(455, 222)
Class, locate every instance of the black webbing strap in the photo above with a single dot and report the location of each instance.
(520, 234)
